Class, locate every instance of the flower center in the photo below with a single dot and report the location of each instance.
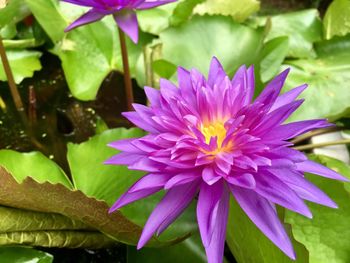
(216, 129)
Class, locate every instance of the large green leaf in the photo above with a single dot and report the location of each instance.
(91, 176)
(303, 28)
(272, 57)
(60, 239)
(183, 11)
(88, 53)
(189, 251)
(337, 19)
(327, 235)
(328, 78)
(15, 11)
(155, 20)
(34, 165)
(238, 9)
(46, 12)
(250, 245)
(208, 36)
(108, 183)
(17, 220)
(56, 198)
(24, 255)
(23, 64)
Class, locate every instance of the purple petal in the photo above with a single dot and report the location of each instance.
(277, 117)
(270, 93)
(180, 179)
(291, 130)
(274, 190)
(89, 17)
(145, 164)
(316, 168)
(152, 4)
(169, 208)
(216, 73)
(127, 21)
(207, 209)
(250, 85)
(153, 96)
(264, 216)
(209, 176)
(124, 158)
(144, 187)
(124, 145)
(135, 118)
(243, 180)
(90, 3)
(212, 214)
(303, 187)
(288, 97)
(168, 90)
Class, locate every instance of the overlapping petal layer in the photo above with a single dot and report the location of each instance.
(122, 10)
(208, 137)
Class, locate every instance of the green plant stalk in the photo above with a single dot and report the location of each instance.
(11, 81)
(320, 145)
(126, 68)
(314, 133)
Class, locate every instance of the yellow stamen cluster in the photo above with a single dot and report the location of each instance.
(216, 129)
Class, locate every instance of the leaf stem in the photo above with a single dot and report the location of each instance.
(314, 133)
(320, 145)
(127, 77)
(11, 81)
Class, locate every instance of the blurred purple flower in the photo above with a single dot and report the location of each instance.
(208, 137)
(123, 12)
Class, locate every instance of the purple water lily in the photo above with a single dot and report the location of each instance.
(208, 138)
(123, 12)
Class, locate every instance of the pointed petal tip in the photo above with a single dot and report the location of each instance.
(214, 59)
(139, 246)
(333, 205)
(309, 215)
(286, 71)
(251, 67)
(107, 162)
(292, 256)
(113, 209)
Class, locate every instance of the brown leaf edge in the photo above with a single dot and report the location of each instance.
(56, 198)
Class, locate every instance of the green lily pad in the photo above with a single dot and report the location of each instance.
(35, 165)
(303, 28)
(56, 198)
(272, 57)
(46, 12)
(209, 36)
(108, 183)
(18, 220)
(91, 176)
(23, 64)
(14, 12)
(24, 255)
(183, 11)
(58, 239)
(155, 20)
(328, 79)
(88, 53)
(238, 9)
(337, 20)
(327, 235)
